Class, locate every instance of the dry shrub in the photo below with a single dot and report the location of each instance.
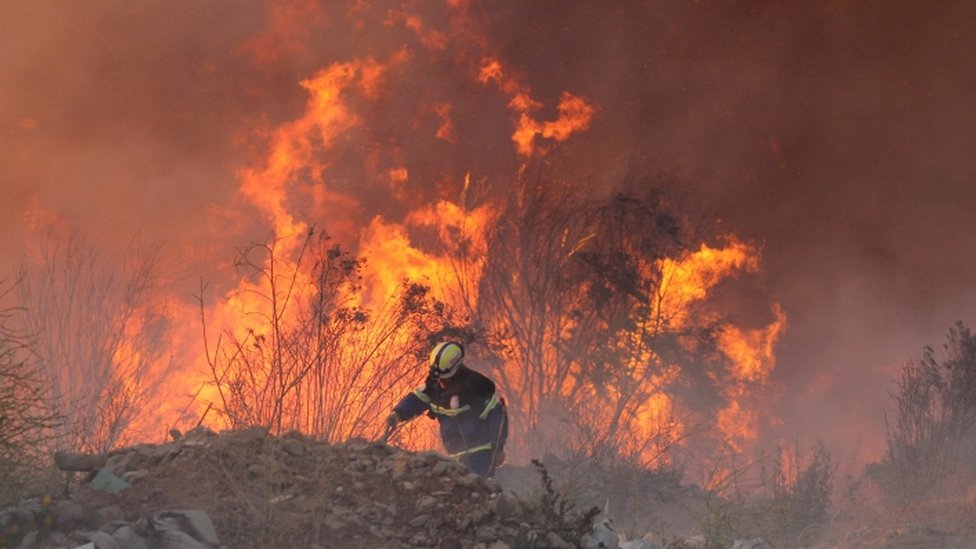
(788, 506)
(932, 436)
(25, 425)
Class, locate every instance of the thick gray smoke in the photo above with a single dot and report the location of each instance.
(838, 136)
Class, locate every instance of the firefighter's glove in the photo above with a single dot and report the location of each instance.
(392, 420)
(499, 457)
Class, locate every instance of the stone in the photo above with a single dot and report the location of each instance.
(195, 523)
(426, 502)
(419, 521)
(443, 467)
(69, 515)
(71, 461)
(127, 536)
(504, 506)
(293, 447)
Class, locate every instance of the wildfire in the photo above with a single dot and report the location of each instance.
(302, 308)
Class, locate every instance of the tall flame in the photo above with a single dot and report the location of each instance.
(575, 113)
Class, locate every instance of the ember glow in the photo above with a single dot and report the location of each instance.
(312, 135)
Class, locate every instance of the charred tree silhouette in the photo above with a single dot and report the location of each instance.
(932, 437)
(312, 358)
(100, 337)
(619, 342)
(526, 303)
(572, 295)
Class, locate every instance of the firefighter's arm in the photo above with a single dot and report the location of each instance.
(496, 417)
(409, 406)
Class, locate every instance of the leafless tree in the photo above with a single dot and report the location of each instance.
(100, 336)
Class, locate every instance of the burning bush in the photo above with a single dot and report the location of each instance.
(312, 358)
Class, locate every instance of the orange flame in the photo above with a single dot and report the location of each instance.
(395, 258)
(687, 280)
(753, 358)
(575, 113)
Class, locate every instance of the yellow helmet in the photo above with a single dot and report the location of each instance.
(445, 359)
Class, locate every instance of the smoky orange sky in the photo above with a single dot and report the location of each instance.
(837, 136)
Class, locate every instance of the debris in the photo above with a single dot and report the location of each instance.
(107, 481)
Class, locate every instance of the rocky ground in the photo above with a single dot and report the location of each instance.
(245, 489)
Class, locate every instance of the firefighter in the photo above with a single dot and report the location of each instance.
(472, 418)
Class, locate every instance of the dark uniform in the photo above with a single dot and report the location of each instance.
(473, 421)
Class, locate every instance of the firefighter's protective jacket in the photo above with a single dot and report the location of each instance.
(472, 417)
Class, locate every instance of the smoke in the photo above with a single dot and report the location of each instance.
(837, 136)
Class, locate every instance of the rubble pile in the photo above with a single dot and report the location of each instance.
(246, 488)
